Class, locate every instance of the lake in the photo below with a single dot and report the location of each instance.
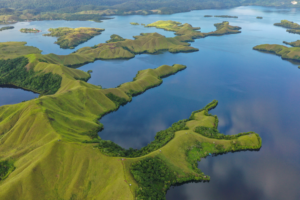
(256, 92)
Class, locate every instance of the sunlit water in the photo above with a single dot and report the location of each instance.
(256, 92)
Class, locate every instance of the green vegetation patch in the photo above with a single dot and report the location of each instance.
(295, 31)
(6, 28)
(293, 44)
(119, 101)
(115, 38)
(134, 23)
(6, 167)
(16, 49)
(154, 177)
(29, 30)
(161, 138)
(72, 37)
(288, 24)
(289, 53)
(16, 72)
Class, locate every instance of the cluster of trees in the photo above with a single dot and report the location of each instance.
(154, 177)
(5, 167)
(161, 138)
(14, 73)
(214, 133)
(119, 101)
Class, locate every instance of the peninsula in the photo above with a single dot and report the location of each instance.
(6, 28)
(293, 44)
(68, 121)
(288, 24)
(69, 38)
(288, 53)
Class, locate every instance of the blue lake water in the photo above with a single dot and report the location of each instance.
(256, 92)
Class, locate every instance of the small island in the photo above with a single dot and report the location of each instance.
(29, 30)
(288, 24)
(258, 17)
(226, 16)
(6, 28)
(207, 15)
(134, 23)
(69, 38)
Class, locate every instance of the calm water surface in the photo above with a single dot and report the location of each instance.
(256, 92)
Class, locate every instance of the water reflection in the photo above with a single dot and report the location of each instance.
(10, 95)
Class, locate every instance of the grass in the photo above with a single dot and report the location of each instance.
(69, 38)
(9, 50)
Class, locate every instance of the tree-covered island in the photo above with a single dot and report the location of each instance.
(72, 37)
(29, 30)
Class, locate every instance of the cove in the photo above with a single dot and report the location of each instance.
(12, 95)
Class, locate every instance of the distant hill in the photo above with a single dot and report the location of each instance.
(121, 6)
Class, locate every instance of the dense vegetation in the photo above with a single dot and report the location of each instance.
(5, 168)
(6, 28)
(214, 133)
(119, 101)
(14, 72)
(72, 37)
(154, 177)
(29, 30)
(115, 38)
(161, 138)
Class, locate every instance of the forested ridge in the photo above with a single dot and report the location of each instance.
(166, 6)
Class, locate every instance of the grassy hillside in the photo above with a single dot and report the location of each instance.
(47, 161)
(289, 53)
(72, 37)
(48, 145)
(16, 49)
